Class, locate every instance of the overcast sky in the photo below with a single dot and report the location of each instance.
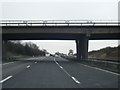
(62, 10)
(64, 46)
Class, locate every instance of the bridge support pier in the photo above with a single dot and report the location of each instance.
(4, 49)
(82, 48)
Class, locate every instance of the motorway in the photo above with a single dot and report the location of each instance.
(55, 72)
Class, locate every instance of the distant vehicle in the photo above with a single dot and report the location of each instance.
(52, 55)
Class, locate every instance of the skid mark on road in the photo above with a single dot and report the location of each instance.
(73, 78)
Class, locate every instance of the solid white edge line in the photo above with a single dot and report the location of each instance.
(100, 69)
(6, 79)
(28, 66)
(73, 78)
(8, 63)
(43, 58)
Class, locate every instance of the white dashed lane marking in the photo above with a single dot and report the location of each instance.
(2, 81)
(28, 66)
(73, 78)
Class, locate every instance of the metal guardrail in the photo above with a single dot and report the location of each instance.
(96, 60)
(57, 23)
(108, 65)
(104, 61)
(104, 64)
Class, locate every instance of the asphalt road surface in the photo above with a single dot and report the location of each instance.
(55, 72)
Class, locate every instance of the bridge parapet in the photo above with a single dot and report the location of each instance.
(58, 23)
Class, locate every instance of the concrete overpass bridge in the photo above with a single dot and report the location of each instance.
(80, 30)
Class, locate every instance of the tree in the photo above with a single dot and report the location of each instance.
(29, 49)
(70, 52)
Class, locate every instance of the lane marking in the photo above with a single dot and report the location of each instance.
(28, 66)
(61, 67)
(73, 78)
(8, 63)
(100, 69)
(67, 73)
(2, 81)
(42, 58)
(35, 62)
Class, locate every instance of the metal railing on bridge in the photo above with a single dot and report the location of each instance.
(58, 23)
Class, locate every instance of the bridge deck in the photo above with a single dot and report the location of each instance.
(59, 29)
